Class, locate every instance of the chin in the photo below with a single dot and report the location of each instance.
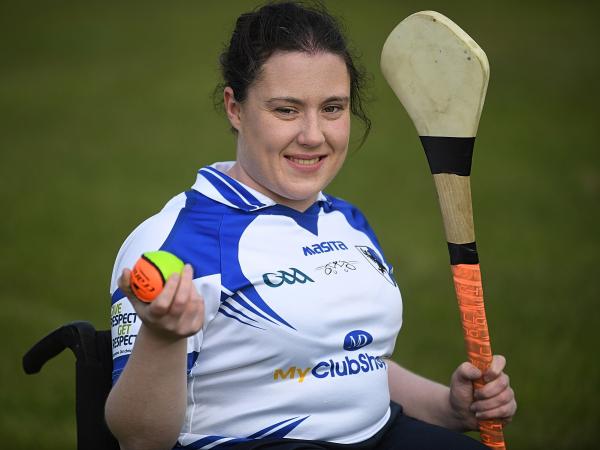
(302, 194)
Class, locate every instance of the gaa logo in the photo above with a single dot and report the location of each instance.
(357, 339)
(277, 279)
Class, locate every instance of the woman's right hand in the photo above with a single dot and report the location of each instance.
(177, 312)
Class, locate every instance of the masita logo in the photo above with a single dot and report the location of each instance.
(357, 339)
(324, 247)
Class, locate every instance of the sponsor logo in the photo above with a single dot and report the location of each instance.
(348, 366)
(357, 339)
(282, 276)
(376, 262)
(324, 247)
(291, 373)
(334, 267)
(363, 363)
(127, 339)
(122, 323)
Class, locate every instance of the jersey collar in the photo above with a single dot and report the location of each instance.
(213, 182)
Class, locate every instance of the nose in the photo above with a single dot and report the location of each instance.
(311, 135)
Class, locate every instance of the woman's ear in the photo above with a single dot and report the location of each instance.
(232, 107)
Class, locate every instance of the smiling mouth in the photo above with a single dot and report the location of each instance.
(305, 162)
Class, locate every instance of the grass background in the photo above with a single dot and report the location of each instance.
(105, 113)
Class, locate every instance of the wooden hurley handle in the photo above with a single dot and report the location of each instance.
(454, 195)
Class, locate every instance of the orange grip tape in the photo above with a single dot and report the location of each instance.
(469, 292)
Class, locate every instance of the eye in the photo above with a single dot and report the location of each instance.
(285, 111)
(333, 109)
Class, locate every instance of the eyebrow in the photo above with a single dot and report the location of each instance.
(296, 101)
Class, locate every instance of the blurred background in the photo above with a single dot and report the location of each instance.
(106, 113)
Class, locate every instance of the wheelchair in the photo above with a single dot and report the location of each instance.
(93, 373)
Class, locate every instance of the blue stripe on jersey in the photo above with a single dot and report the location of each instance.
(264, 431)
(231, 307)
(236, 185)
(245, 304)
(191, 360)
(283, 432)
(226, 314)
(228, 192)
(262, 434)
(117, 295)
(118, 366)
(202, 442)
(200, 227)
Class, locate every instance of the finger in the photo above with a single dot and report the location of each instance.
(467, 372)
(184, 289)
(125, 287)
(198, 322)
(504, 411)
(124, 283)
(160, 306)
(493, 388)
(496, 367)
(505, 397)
(195, 312)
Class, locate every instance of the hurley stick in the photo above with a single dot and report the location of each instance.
(440, 75)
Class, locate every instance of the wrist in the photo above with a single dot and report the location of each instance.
(460, 417)
(160, 341)
(159, 336)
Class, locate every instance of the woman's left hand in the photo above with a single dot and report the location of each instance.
(495, 400)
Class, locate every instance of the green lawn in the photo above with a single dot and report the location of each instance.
(106, 113)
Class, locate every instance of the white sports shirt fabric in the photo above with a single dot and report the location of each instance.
(301, 312)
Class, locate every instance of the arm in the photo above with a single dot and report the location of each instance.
(456, 407)
(146, 407)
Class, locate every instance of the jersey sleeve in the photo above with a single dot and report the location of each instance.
(125, 324)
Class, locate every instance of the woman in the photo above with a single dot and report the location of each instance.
(278, 332)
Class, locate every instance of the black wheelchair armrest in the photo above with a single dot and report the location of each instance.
(80, 337)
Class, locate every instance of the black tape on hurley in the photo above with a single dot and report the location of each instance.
(463, 253)
(449, 154)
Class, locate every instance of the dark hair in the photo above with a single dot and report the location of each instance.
(286, 26)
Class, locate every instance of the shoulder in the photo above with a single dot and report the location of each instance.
(187, 226)
(352, 213)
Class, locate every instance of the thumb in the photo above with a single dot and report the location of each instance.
(467, 373)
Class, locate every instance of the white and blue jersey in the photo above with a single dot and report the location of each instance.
(301, 312)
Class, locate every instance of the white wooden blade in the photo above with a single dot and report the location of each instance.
(438, 72)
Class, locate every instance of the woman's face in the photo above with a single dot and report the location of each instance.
(293, 128)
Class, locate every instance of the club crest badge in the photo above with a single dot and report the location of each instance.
(376, 262)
